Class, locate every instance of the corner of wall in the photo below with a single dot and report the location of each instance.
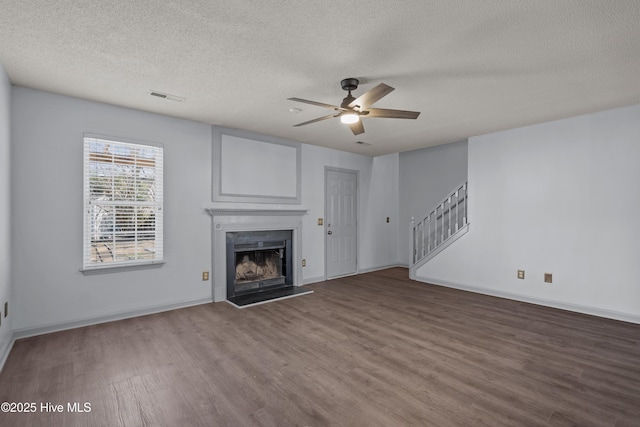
(537, 199)
(6, 287)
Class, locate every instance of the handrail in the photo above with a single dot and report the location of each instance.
(447, 219)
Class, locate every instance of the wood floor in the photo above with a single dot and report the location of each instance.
(368, 350)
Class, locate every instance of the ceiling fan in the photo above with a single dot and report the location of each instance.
(352, 109)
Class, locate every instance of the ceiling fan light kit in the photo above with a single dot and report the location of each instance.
(349, 118)
(352, 109)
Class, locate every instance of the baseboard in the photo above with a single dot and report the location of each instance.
(56, 327)
(593, 311)
(384, 267)
(4, 353)
(311, 280)
(317, 279)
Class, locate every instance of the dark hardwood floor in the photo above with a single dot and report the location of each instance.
(368, 350)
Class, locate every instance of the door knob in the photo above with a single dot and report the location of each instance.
(329, 232)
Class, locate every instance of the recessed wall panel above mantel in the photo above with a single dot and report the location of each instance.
(254, 168)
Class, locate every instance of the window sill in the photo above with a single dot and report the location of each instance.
(120, 268)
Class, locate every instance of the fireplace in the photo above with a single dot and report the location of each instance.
(258, 261)
(231, 224)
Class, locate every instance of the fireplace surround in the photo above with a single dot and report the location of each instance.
(229, 220)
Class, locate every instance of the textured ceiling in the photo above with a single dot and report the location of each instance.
(471, 67)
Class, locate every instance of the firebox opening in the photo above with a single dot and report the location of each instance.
(259, 265)
(258, 261)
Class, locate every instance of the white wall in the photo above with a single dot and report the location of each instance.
(46, 184)
(561, 198)
(47, 171)
(378, 238)
(378, 199)
(426, 177)
(5, 214)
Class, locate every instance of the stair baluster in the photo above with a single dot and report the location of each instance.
(442, 226)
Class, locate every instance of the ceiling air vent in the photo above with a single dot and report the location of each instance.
(362, 143)
(167, 96)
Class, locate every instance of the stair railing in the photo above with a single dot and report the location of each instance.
(444, 224)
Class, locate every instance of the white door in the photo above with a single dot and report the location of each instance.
(341, 195)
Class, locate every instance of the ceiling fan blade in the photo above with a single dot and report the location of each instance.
(319, 104)
(392, 114)
(357, 128)
(319, 119)
(371, 96)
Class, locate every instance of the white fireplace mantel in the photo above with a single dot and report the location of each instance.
(253, 212)
(230, 219)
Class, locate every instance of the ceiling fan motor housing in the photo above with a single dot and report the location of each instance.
(346, 101)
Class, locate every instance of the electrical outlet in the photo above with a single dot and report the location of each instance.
(387, 219)
(548, 278)
(205, 276)
(520, 274)
(304, 262)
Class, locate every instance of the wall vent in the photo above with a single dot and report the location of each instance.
(167, 96)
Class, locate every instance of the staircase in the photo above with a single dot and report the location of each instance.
(445, 224)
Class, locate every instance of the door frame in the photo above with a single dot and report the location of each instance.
(355, 172)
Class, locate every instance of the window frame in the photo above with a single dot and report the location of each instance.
(88, 266)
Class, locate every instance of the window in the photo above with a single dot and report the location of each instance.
(122, 203)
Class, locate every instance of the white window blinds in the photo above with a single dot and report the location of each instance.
(122, 203)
